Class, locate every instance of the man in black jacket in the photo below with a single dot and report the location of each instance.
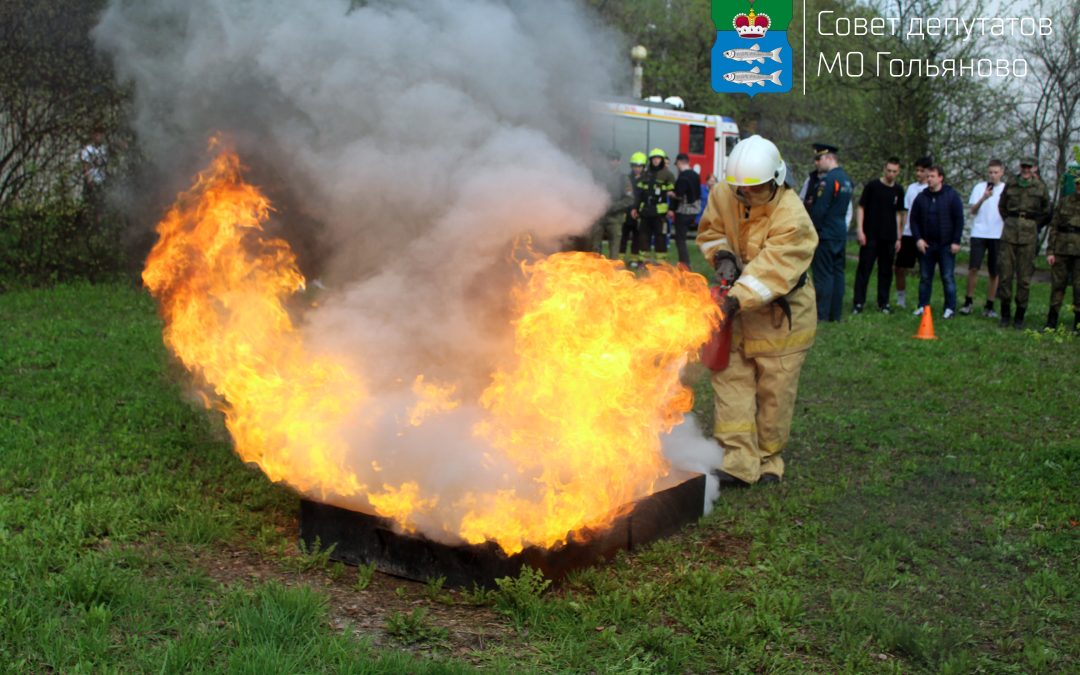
(687, 202)
(937, 223)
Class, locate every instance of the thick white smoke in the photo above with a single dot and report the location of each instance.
(687, 449)
(421, 136)
(418, 140)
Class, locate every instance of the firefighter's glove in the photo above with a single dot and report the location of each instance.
(727, 268)
(728, 309)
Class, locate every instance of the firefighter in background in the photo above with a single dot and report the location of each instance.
(651, 190)
(620, 199)
(630, 224)
(761, 225)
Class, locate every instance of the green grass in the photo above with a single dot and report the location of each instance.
(927, 523)
(112, 484)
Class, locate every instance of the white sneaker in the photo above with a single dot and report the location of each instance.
(948, 314)
(901, 298)
(917, 312)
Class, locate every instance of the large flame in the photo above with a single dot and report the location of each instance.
(222, 284)
(579, 409)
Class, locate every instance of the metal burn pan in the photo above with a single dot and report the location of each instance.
(360, 538)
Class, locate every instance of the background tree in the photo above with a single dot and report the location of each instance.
(54, 90)
(869, 117)
(1048, 113)
(948, 118)
(680, 35)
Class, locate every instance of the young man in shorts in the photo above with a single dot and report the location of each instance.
(908, 253)
(985, 235)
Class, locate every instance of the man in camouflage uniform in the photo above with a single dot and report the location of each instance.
(1023, 205)
(620, 198)
(1063, 250)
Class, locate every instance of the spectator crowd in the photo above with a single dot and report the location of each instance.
(1003, 221)
(924, 226)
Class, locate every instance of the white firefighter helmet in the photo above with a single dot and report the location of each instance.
(754, 161)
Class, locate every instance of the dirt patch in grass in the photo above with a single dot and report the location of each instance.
(468, 628)
(728, 546)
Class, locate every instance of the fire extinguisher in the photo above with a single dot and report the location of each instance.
(717, 351)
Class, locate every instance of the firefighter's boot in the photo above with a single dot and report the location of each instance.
(1052, 319)
(1018, 318)
(1006, 314)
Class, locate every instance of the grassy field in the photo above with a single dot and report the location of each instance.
(927, 523)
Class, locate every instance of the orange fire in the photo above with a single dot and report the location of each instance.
(578, 410)
(595, 383)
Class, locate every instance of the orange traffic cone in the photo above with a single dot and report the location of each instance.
(926, 326)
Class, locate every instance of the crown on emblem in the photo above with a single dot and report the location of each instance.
(752, 26)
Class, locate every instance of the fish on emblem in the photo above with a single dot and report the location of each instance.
(753, 76)
(753, 54)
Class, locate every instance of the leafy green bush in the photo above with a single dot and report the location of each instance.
(60, 241)
(415, 628)
(364, 575)
(314, 558)
(520, 597)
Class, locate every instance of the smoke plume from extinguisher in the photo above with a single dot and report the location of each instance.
(406, 146)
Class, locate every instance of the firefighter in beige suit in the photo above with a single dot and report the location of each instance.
(762, 224)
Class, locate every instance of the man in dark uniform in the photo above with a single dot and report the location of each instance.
(829, 213)
(620, 196)
(630, 223)
(809, 188)
(1063, 250)
(651, 190)
(1023, 205)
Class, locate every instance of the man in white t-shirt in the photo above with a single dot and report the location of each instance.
(908, 253)
(985, 235)
(94, 158)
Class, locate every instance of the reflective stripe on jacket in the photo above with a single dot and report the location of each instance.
(775, 243)
(652, 188)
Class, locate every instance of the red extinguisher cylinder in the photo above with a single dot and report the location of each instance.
(717, 351)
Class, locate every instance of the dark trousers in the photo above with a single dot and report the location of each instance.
(683, 221)
(881, 251)
(1064, 267)
(1017, 262)
(629, 236)
(828, 271)
(651, 229)
(937, 254)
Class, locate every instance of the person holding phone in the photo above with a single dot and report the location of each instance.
(985, 235)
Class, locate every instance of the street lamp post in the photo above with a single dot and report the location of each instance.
(638, 55)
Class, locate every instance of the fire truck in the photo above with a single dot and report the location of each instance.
(641, 126)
